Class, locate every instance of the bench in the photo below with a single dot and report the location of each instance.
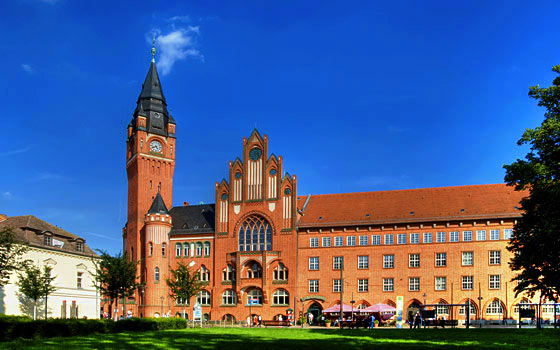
(276, 323)
(440, 323)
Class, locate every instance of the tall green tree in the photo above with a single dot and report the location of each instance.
(11, 255)
(536, 236)
(35, 284)
(115, 277)
(183, 284)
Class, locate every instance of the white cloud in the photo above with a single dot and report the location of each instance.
(175, 46)
(7, 195)
(184, 19)
(27, 68)
(16, 151)
(46, 176)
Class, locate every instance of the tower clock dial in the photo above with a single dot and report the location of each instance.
(155, 146)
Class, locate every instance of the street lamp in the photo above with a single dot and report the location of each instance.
(424, 298)
(161, 298)
(352, 303)
(142, 290)
(479, 312)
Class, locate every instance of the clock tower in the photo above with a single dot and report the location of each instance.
(150, 162)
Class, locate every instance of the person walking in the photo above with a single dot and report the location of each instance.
(417, 320)
(371, 321)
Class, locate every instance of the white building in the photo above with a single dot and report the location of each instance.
(72, 264)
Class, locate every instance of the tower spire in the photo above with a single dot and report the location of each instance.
(154, 49)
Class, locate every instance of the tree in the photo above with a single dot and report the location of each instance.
(34, 284)
(11, 255)
(115, 277)
(183, 284)
(536, 236)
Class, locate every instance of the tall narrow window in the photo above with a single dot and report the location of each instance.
(186, 250)
(156, 274)
(79, 280)
(206, 248)
(151, 248)
(255, 234)
(178, 249)
(163, 246)
(199, 249)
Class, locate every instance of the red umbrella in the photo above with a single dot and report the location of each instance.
(336, 308)
(380, 308)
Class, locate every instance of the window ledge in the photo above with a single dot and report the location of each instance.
(280, 282)
(280, 305)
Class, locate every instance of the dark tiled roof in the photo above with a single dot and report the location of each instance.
(158, 206)
(30, 229)
(417, 205)
(192, 219)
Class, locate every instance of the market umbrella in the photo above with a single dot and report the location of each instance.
(380, 308)
(336, 308)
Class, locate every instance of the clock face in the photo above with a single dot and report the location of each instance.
(224, 196)
(155, 146)
(272, 172)
(255, 153)
(157, 115)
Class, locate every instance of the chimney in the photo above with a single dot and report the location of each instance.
(3, 217)
(185, 204)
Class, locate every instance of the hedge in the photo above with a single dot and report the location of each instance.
(13, 327)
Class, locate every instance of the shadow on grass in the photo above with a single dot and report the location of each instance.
(309, 339)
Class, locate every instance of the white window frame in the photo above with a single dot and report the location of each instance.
(375, 239)
(414, 260)
(389, 261)
(441, 283)
(363, 262)
(508, 233)
(428, 238)
(481, 235)
(388, 284)
(413, 284)
(313, 286)
(339, 241)
(336, 286)
(337, 262)
(467, 258)
(494, 235)
(326, 241)
(363, 285)
(467, 282)
(440, 237)
(441, 259)
(401, 238)
(313, 263)
(389, 239)
(454, 236)
(351, 241)
(414, 238)
(314, 242)
(494, 281)
(495, 257)
(467, 236)
(363, 240)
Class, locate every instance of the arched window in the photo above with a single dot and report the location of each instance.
(229, 297)
(463, 309)
(151, 248)
(186, 249)
(281, 297)
(494, 308)
(255, 294)
(206, 248)
(163, 246)
(157, 274)
(442, 309)
(178, 247)
(199, 249)
(255, 234)
(525, 307)
(254, 270)
(228, 318)
(203, 298)
(228, 274)
(280, 273)
(204, 274)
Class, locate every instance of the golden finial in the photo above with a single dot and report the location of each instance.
(154, 49)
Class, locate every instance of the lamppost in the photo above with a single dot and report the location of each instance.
(479, 312)
(352, 303)
(424, 298)
(161, 298)
(142, 290)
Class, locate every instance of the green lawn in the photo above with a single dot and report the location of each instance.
(307, 339)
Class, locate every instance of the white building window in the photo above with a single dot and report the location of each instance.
(495, 257)
(441, 283)
(494, 235)
(229, 297)
(454, 236)
(255, 295)
(314, 263)
(363, 240)
(388, 284)
(206, 248)
(481, 235)
(467, 236)
(313, 286)
(185, 249)
(441, 259)
(363, 261)
(204, 274)
(375, 239)
(280, 273)
(178, 249)
(414, 284)
(440, 237)
(427, 237)
(228, 274)
(363, 285)
(508, 233)
(494, 308)
(338, 241)
(199, 249)
(413, 260)
(401, 238)
(281, 297)
(163, 248)
(314, 242)
(388, 261)
(494, 282)
(337, 262)
(336, 286)
(414, 238)
(467, 259)
(79, 280)
(351, 241)
(389, 239)
(467, 282)
(326, 241)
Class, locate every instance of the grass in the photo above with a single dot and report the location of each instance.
(307, 339)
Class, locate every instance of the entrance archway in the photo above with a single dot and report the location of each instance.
(412, 309)
(316, 309)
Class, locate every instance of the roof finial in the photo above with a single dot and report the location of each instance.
(154, 49)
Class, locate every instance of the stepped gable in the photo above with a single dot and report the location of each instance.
(191, 219)
(29, 229)
(416, 205)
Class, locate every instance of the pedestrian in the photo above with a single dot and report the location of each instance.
(249, 321)
(310, 318)
(417, 320)
(255, 321)
(371, 321)
(410, 320)
(260, 321)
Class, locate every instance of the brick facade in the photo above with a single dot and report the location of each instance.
(262, 237)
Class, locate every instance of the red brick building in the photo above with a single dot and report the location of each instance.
(261, 240)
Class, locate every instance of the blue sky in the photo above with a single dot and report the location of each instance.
(356, 96)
